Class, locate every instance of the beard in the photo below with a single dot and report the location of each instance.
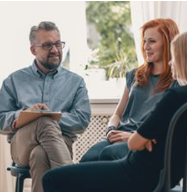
(51, 65)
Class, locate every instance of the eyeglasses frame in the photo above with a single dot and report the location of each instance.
(62, 44)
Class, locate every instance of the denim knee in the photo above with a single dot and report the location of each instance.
(93, 153)
(107, 153)
(114, 151)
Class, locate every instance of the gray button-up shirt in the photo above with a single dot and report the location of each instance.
(61, 90)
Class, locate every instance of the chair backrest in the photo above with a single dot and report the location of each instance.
(174, 144)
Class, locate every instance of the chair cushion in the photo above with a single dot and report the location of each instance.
(17, 170)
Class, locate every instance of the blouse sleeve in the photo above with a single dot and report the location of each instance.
(130, 78)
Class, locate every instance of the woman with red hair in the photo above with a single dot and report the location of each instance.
(144, 88)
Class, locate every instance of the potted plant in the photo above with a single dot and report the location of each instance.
(119, 68)
(92, 69)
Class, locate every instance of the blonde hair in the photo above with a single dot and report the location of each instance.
(168, 29)
(179, 52)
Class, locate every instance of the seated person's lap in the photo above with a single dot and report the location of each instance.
(105, 151)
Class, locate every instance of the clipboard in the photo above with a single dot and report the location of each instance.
(28, 116)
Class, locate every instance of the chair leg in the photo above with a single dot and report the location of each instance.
(16, 189)
(20, 183)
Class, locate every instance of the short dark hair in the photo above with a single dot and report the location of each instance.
(44, 25)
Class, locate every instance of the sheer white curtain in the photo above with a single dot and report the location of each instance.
(16, 19)
(7, 182)
(77, 36)
(143, 11)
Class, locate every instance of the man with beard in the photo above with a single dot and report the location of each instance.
(44, 143)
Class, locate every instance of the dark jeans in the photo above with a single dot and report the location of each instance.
(106, 151)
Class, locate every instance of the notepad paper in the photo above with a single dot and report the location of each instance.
(28, 116)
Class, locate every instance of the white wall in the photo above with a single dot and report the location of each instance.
(143, 11)
(16, 19)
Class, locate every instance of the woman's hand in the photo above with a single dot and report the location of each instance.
(149, 145)
(137, 142)
(118, 136)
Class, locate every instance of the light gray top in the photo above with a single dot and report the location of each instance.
(61, 90)
(141, 101)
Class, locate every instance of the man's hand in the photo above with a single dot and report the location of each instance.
(118, 136)
(38, 106)
(14, 123)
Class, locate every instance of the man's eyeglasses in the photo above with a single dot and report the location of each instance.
(47, 46)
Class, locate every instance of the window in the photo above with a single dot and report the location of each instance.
(106, 31)
(111, 46)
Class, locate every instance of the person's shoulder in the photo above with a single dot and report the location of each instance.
(130, 77)
(18, 73)
(179, 90)
(176, 93)
(71, 76)
(131, 72)
(174, 84)
(70, 73)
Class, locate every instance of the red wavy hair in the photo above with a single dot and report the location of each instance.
(168, 29)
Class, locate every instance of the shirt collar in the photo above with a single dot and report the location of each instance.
(40, 74)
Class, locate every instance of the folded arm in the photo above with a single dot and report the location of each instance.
(137, 142)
